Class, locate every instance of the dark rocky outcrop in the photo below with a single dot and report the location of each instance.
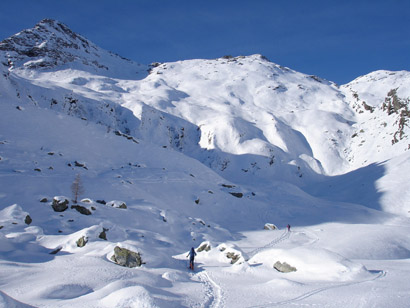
(28, 220)
(236, 194)
(103, 234)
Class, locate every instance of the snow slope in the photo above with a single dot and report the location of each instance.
(202, 152)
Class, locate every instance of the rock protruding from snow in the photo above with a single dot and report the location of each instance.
(81, 209)
(284, 267)
(82, 241)
(126, 257)
(269, 226)
(60, 203)
(117, 204)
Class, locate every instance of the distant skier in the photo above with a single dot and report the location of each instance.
(288, 226)
(191, 255)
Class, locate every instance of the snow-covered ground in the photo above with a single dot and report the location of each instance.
(203, 154)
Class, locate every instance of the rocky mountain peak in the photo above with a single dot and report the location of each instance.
(51, 44)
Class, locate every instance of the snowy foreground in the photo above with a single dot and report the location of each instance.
(219, 155)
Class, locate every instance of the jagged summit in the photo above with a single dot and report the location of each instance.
(51, 44)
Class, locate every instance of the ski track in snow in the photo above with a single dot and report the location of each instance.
(316, 291)
(212, 290)
(285, 235)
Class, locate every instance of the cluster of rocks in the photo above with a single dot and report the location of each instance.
(60, 204)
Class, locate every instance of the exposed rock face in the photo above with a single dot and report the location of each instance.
(125, 257)
(51, 44)
(284, 267)
(60, 204)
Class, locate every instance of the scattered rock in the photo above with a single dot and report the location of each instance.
(28, 220)
(55, 251)
(204, 247)
(44, 200)
(1, 227)
(118, 204)
(236, 194)
(37, 169)
(81, 165)
(284, 267)
(103, 234)
(101, 201)
(227, 186)
(81, 209)
(60, 204)
(127, 258)
(234, 257)
(269, 226)
(197, 201)
(93, 208)
(82, 241)
(86, 200)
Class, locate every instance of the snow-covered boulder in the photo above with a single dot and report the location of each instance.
(269, 226)
(60, 203)
(117, 204)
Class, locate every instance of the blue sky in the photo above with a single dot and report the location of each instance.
(336, 40)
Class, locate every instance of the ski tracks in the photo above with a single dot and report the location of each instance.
(213, 291)
(318, 290)
(285, 235)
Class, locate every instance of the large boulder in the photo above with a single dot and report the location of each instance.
(60, 204)
(284, 267)
(125, 257)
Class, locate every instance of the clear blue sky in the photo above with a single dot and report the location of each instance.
(335, 39)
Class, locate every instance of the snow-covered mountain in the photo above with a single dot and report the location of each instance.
(201, 152)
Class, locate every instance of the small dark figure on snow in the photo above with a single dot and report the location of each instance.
(191, 255)
(288, 226)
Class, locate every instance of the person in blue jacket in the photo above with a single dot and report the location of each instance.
(191, 255)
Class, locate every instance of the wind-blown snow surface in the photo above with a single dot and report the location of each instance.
(201, 152)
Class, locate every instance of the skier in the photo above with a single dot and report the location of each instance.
(288, 226)
(191, 255)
